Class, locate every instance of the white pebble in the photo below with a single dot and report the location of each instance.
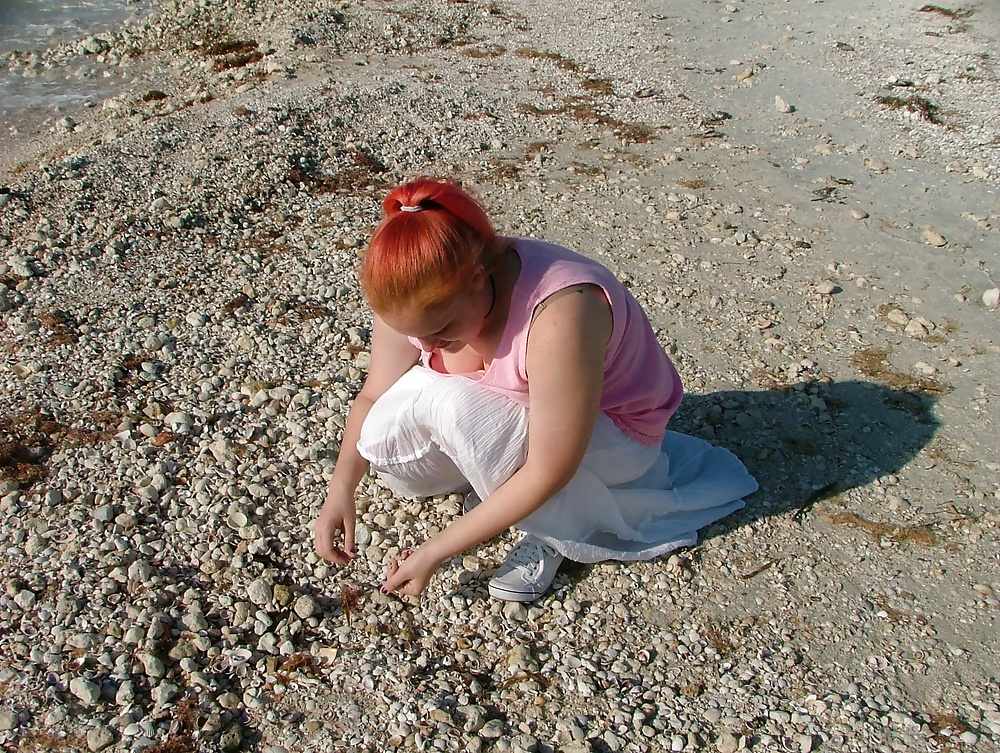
(87, 691)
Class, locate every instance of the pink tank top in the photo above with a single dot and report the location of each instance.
(641, 386)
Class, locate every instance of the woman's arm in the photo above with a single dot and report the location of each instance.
(392, 356)
(565, 364)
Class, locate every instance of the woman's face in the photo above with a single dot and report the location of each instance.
(449, 326)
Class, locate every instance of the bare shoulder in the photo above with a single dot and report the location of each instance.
(582, 298)
(577, 315)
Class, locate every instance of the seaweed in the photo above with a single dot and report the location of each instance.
(913, 103)
(918, 534)
(960, 13)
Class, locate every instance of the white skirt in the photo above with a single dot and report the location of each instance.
(433, 434)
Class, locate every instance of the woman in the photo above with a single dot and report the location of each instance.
(531, 374)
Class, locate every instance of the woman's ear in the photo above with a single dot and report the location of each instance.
(479, 277)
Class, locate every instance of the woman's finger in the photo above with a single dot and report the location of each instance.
(393, 582)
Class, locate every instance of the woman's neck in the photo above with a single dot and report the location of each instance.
(504, 277)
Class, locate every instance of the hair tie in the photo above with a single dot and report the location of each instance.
(415, 208)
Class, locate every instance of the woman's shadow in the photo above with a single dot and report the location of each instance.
(807, 442)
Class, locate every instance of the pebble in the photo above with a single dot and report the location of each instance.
(991, 298)
(875, 165)
(214, 326)
(933, 238)
(727, 743)
(99, 737)
(827, 288)
(260, 592)
(896, 316)
(305, 606)
(492, 729)
(8, 719)
(88, 692)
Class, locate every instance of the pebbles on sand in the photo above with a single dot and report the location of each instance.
(183, 335)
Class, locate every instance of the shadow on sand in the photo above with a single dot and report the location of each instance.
(808, 442)
(811, 441)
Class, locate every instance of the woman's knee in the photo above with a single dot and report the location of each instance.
(460, 411)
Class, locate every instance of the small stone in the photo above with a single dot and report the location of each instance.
(164, 693)
(87, 691)
(99, 738)
(991, 298)
(231, 738)
(859, 214)
(441, 716)
(104, 513)
(260, 592)
(196, 319)
(875, 165)
(258, 491)
(915, 329)
(827, 288)
(229, 700)
(515, 611)
(712, 716)
(898, 317)
(125, 694)
(195, 621)
(805, 743)
(926, 368)
(178, 420)
(305, 606)
(8, 719)
(492, 729)
(727, 743)
(475, 718)
(782, 106)
(140, 571)
(932, 238)
(969, 738)
(153, 665)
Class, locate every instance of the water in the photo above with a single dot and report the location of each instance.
(35, 25)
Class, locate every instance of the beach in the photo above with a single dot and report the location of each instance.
(802, 195)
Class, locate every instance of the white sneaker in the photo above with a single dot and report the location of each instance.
(527, 572)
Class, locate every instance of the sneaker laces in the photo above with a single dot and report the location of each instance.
(530, 552)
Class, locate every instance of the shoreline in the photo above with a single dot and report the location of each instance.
(182, 333)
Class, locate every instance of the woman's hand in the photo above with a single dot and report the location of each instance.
(339, 514)
(410, 572)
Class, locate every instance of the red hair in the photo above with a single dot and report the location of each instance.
(426, 253)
